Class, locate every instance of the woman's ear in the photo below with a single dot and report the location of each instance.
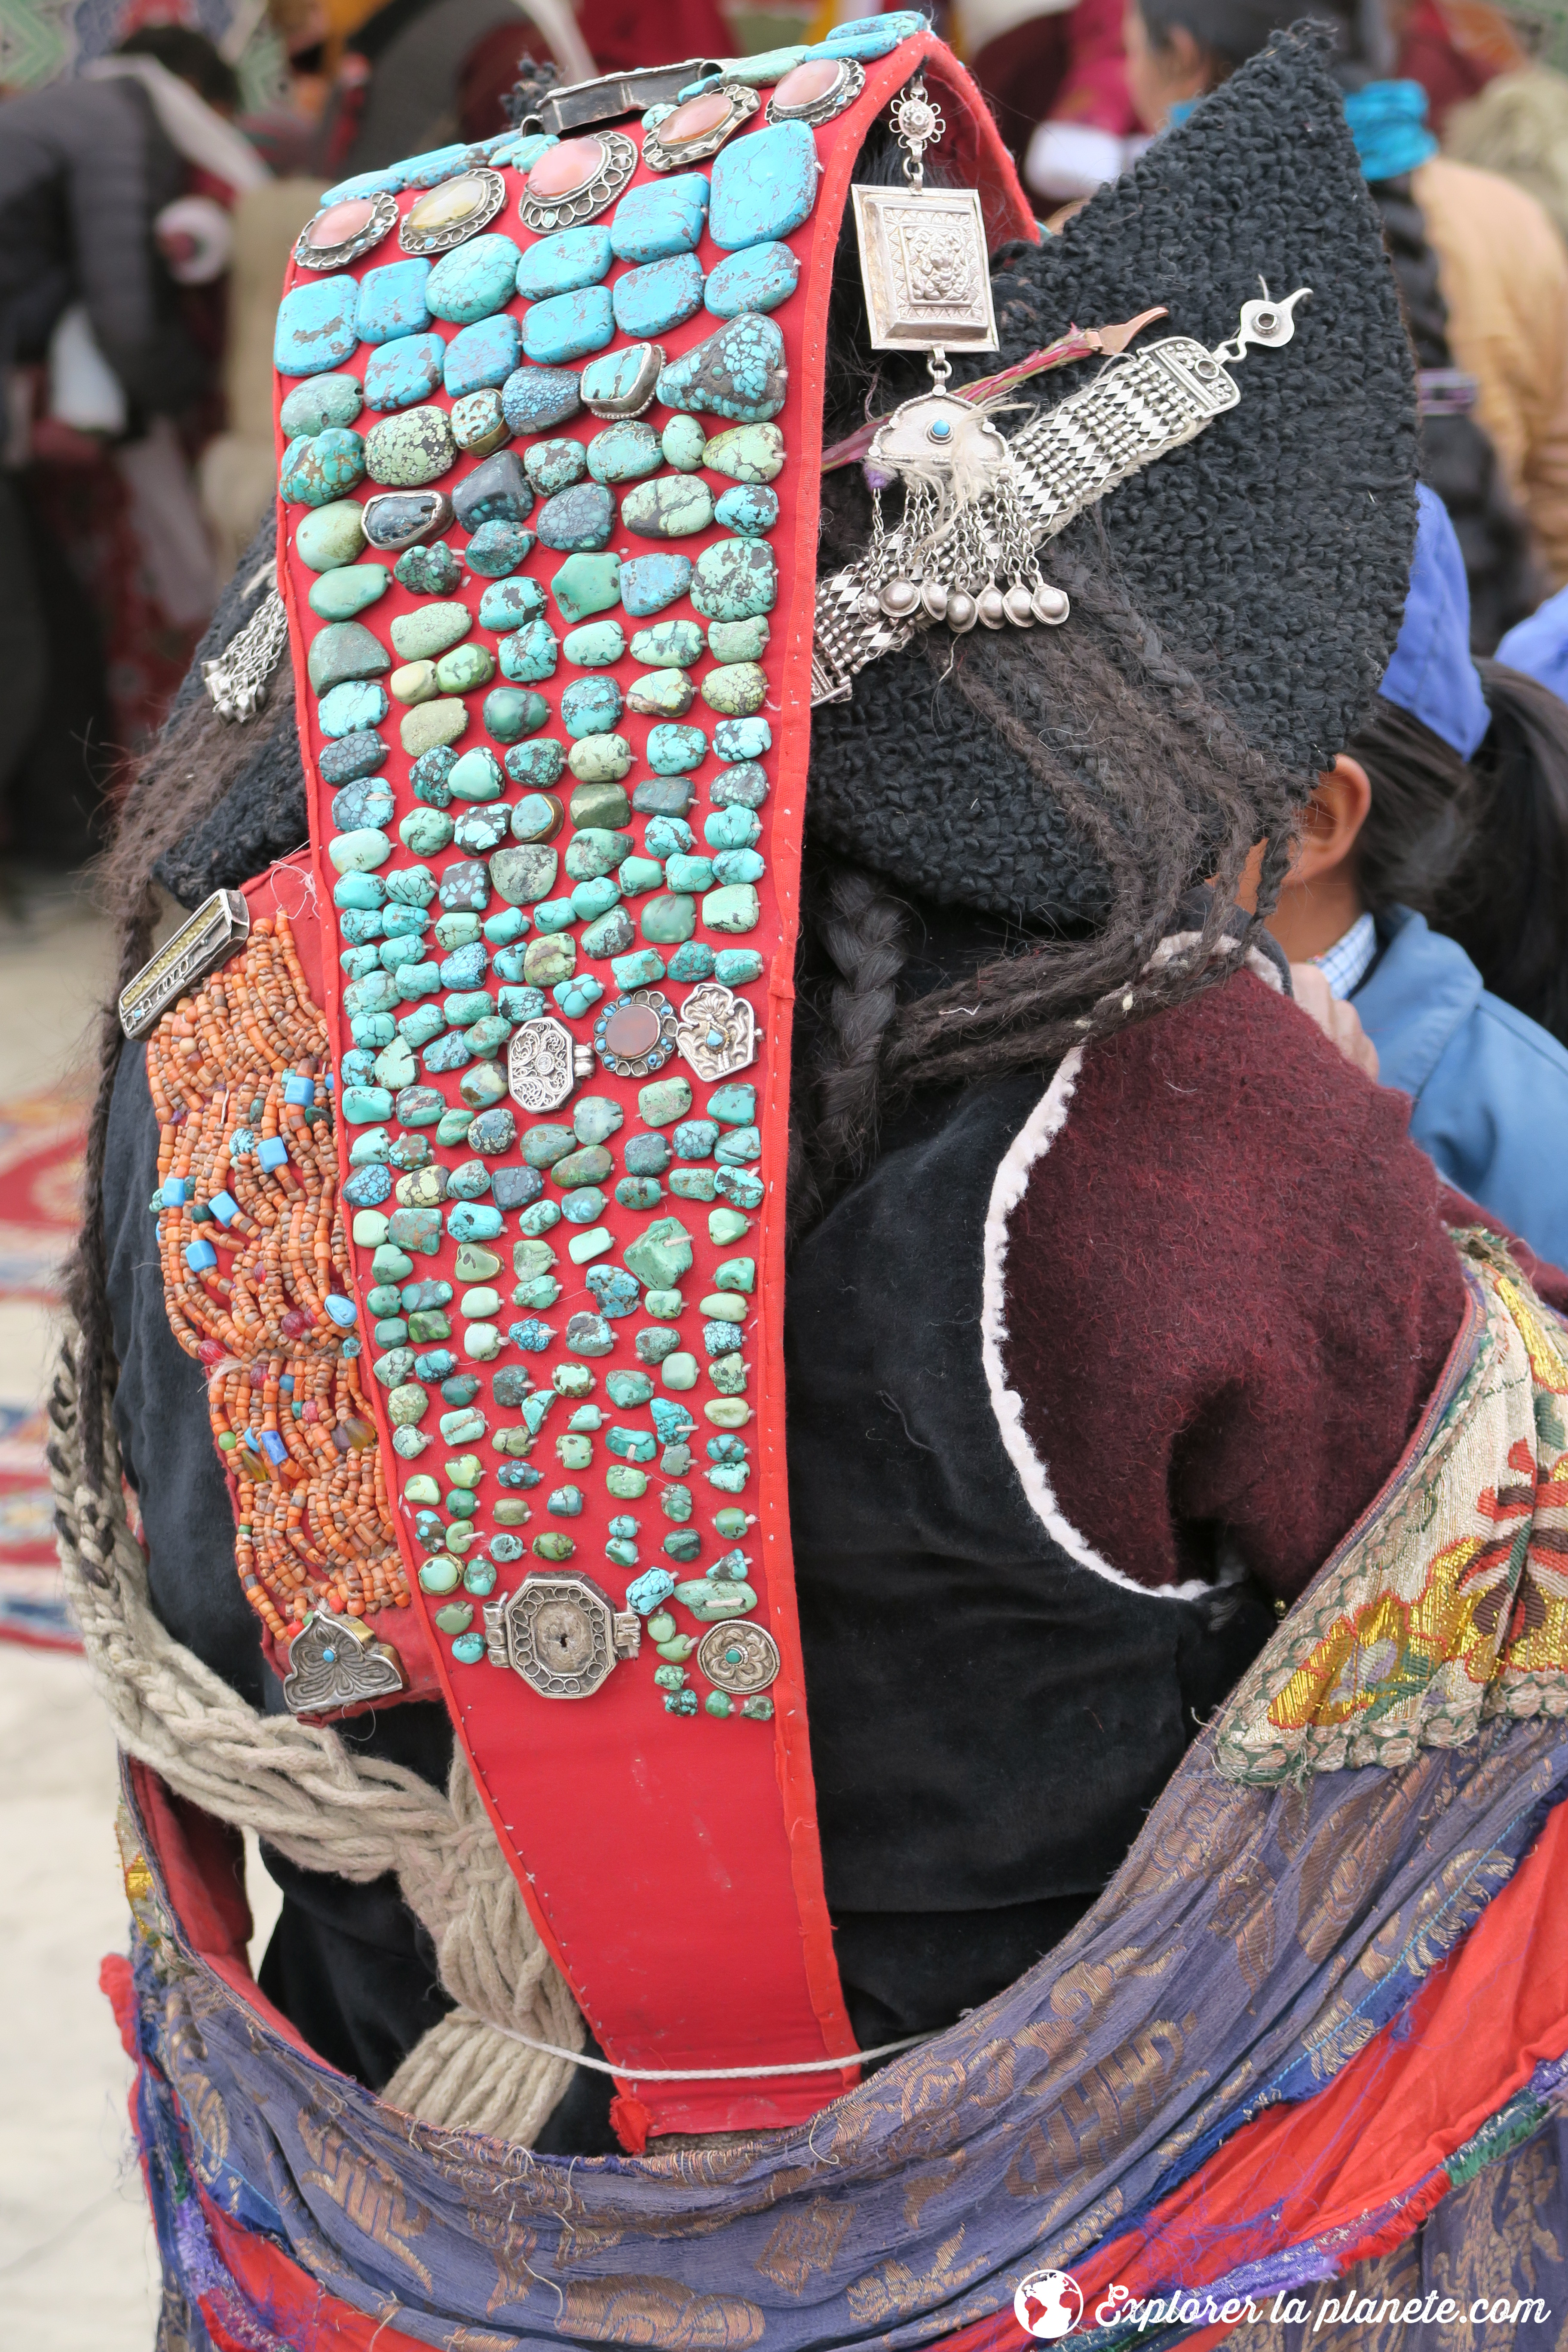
(1332, 819)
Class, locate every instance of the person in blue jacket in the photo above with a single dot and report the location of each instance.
(1396, 833)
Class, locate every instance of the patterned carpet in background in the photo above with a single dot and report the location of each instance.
(40, 1171)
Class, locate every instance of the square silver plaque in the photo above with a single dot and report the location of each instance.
(925, 268)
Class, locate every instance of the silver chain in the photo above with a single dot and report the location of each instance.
(237, 680)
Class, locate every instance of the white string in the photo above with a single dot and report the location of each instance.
(710, 2074)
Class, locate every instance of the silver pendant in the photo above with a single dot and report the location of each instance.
(237, 680)
(337, 1662)
(718, 1031)
(925, 268)
(738, 1657)
(809, 93)
(543, 1064)
(220, 926)
(562, 1633)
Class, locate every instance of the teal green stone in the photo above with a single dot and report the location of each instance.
(710, 1598)
(597, 645)
(736, 1273)
(469, 666)
(473, 280)
(595, 851)
(586, 584)
(644, 968)
(512, 712)
(738, 371)
(734, 1105)
(432, 571)
(347, 589)
(589, 1166)
(360, 852)
(735, 908)
(600, 758)
(669, 645)
(735, 689)
(675, 751)
(536, 817)
(661, 694)
(426, 832)
(508, 603)
(319, 467)
(332, 536)
(683, 442)
(458, 1615)
(578, 520)
(321, 404)
(429, 630)
(765, 67)
(342, 651)
(624, 452)
(596, 899)
(750, 508)
(541, 1146)
(665, 920)
(661, 1253)
(476, 777)
(595, 1118)
(404, 452)
(522, 876)
(528, 656)
(738, 641)
(600, 804)
(431, 724)
(638, 874)
(734, 580)
(747, 453)
(673, 507)
(553, 465)
(441, 1574)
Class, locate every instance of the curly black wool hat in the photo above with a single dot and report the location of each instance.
(1271, 555)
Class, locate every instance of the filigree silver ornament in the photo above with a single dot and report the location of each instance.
(738, 1657)
(562, 1633)
(718, 1031)
(312, 255)
(665, 150)
(237, 680)
(826, 99)
(430, 225)
(337, 1662)
(218, 929)
(604, 162)
(543, 1064)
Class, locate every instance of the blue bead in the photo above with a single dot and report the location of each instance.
(662, 217)
(482, 355)
(562, 264)
(651, 301)
(764, 186)
(224, 1207)
(272, 1152)
(757, 279)
(650, 582)
(569, 326)
(473, 280)
(392, 302)
(343, 1311)
(403, 373)
(200, 1255)
(316, 327)
(176, 1193)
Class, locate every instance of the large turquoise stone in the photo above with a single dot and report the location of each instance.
(508, 603)
(555, 465)
(528, 657)
(596, 645)
(331, 536)
(747, 453)
(650, 582)
(591, 706)
(569, 326)
(624, 452)
(402, 373)
(316, 326)
(498, 547)
(392, 302)
(663, 294)
(675, 751)
(662, 217)
(482, 355)
(738, 371)
(674, 507)
(537, 399)
(319, 402)
(586, 584)
(565, 263)
(402, 453)
(764, 186)
(580, 519)
(428, 632)
(758, 278)
(750, 508)
(473, 280)
(735, 579)
(319, 466)
(671, 644)
(346, 649)
(346, 709)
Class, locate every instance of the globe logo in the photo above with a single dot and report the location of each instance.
(1049, 2304)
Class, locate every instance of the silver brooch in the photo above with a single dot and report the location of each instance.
(337, 1662)
(431, 225)
(738, 1657)
(562, 1633)
(816, 90)
(635, 1036)
(603, 160)
(717, 1032)
(382, 216)
(713, 115)
(544, 1062)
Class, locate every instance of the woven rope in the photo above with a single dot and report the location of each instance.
(299, 1785)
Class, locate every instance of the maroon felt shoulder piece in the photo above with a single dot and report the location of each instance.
(1228, 1292)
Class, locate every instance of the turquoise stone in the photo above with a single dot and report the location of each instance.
(667, 837)
(524, 875)
(662, 796)
(675, 751)
(734, 579)
(355, 755)
(650, 582)
(745, 787)
(360, 852)
(730, 827)
(402, 373)
(683, 442)
(339, 595)
(693, 960)
(348, 707)
(662, 1252)
(661, 694)
(596, 645)
(669, 645)
(476, 777)
(497, 549)
(596, 851)
(621, 383)
(595, 1118)
(461, 671)
(435, 164)
(690, 874)
(429, 630)
(429, 570)
(321, 403)
(872, 37)
(496, 491)
(563, 263)
(537, 399)
(663, 217)
(624, 452)
(528, 657)
(673, 507)
(344, 649)
(508, 603)
(426, 832)
(392, 302)
(736, 689)
(477, 423)
(317, 326)
(743, 738)
(738, 371)
(586, 584)
(319, 466)
(764, 186)
(483, 355)
(747, 453)
(591, 706)
(553, 465)
(735, 908)
(538, 765)
(569, 326)
(640, 874)
(669, 920)
(510, 713)
(750, 508)
(332, 536)
(578, 520)
(733, 641)
(603, 806)
(757, 279)
(406, 452)
(431, 723)
(661, 295)
(600, 758)
(472, 280)
(613, 931)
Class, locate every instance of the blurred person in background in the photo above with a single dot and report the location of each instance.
(1056, 79)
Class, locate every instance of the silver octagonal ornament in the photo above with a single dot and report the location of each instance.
(544, 1062)
(562, 1633)
(718, 1031)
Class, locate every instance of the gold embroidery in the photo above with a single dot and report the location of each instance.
(660, 2312)
(371, 2195)
(803, 2243)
